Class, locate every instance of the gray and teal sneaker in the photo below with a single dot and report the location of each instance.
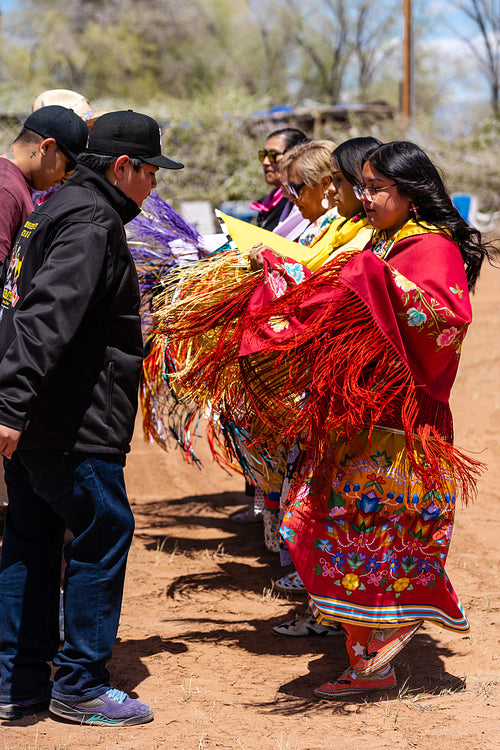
(113, 708)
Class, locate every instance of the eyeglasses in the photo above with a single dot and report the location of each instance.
(272, 155)
(293, 188)
(369, 192)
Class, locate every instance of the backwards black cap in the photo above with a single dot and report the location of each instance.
(63, 125)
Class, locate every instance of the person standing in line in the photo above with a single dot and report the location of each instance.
(71, 357)
(276, 212)
(43, 153)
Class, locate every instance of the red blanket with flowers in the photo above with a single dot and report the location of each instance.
(369, 342)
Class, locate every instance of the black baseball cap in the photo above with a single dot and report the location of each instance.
(63, 125)
(130, 133)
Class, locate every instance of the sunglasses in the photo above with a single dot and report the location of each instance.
(294, 188)
(272, 155)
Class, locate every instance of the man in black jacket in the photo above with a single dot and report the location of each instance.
(70, 361)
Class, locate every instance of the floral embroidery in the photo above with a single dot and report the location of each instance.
(400, 584)
(447, 337)
(338, 558)
(287, 533)
(423, 312)
(380, 531)
(372, 564)
(278, 323)
(374, 579)
(416, 317)
(325, 569)
(323, 544)
(403, 283)
(350, 581)
(295, 270)
(277, 283)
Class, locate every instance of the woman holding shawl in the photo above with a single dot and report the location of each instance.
(374, 341)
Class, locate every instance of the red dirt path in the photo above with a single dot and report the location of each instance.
(195, 640)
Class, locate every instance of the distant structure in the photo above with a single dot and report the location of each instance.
(312, 119)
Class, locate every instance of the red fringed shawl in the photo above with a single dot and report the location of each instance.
(374, 343)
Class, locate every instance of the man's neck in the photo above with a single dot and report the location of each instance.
(25, 158)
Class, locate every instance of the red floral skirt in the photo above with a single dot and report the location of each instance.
(370, 542)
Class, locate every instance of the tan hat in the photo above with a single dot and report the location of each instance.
(91, 116)
(64, 98)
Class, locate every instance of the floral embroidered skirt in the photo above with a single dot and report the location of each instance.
(370, 542)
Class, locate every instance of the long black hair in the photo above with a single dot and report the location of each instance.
(417, 178)
(350, 157)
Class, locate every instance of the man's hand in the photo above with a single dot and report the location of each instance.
(9, 439)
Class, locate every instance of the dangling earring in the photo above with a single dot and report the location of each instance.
(414, 211)
(325, 203)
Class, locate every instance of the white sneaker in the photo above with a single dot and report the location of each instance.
(306, 625)
(290, 583)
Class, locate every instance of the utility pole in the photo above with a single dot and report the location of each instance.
(406, 94)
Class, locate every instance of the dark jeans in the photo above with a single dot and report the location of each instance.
(50, 491)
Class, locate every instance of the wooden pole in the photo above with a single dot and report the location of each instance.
(406, 98)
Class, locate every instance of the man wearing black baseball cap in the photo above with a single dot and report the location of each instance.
(70, 363)
(44, 152)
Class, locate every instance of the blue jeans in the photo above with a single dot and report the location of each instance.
(49, 492)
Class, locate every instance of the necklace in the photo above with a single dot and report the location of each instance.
(383, 245)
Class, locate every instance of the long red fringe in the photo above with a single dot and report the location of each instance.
(339, 375)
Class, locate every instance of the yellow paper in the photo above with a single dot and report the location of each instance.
(247, 235)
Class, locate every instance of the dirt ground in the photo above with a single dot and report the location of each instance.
(195, 640)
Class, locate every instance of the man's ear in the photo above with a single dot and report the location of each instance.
(119, 167)
(46, 144)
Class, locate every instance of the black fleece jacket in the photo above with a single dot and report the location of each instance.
(70, 334)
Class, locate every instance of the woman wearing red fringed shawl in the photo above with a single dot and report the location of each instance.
(373, 342)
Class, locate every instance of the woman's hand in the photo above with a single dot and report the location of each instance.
(256, 257)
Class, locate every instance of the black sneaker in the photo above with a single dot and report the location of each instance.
(18, 709)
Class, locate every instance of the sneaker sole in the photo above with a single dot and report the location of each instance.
(12, 711)
(93, 719)
(290, 589)
(325, 634)
(318, 693)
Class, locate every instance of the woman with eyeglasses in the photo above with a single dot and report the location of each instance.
(374, 340)
(350, 232)
(275, 207)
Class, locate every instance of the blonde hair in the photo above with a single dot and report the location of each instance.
(311, 161)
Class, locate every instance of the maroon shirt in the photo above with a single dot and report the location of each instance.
(15, 204)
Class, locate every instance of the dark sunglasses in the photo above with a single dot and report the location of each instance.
(294, 188)
(272, 155)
